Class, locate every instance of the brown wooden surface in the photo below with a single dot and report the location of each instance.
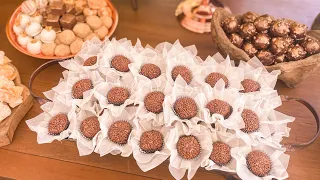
(153, 23)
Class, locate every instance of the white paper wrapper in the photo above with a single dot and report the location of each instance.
(278, 158)
(39, 124)
(105, 146)
(149, 161)
(178, 166)
(168, 50)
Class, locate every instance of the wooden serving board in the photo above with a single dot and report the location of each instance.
(9, 125)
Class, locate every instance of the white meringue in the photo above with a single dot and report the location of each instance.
(28, 7)
(36, 18)
(37, 37)
(17, 29)
(34, 46)
(23, 20)
(23, 39)
(33, 28)
(48, 35)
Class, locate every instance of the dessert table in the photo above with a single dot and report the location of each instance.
(154, 22)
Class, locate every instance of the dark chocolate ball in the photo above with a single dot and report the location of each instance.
(250, 85)
(261, 41)
(249, 49)
(289, 40)
(153, 102)
(217, 106)
(183, 71)
(188, 147)
(117, 95)
(280, 58)
(259, 163)
(280, 28)
(214, 77)
(151, 141)
(230, 24)
(90, 61)
(120, 63)
(80, 87)
(119, 132)
(90, 127)
(266, 57)
(185, 108)
(279, 46)
(236, 39)
(311, 45)
(247, 30)
(150, 71)
(58, 124)
(263, 23)
(296, 53)
(298, 31)
(221, 153)
(251, 121)
(249, 17)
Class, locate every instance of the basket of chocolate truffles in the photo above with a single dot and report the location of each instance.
(167, 104)
(56, 29)
(280, 44)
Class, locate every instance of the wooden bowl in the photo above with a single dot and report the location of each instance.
(13, 39)
(292, 72)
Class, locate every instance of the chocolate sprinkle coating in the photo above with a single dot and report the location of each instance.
(296, 53)
(153, 102)
(185, 108)
(280, 28)
(118, 95)
(289, 40)
(236, 39)
(261, 41)
(266, 57)
(298, 31)
(90, 61)
(151, 141)
(247, 30)
(249, 17)
(58, 124)
(90, 127)
(214, 77)
(263, 23)
(311, 45)
(188, 147)
(279, 45)
(183, 71)
(249, 49)
(80, 87)
(119, 132)
(120, 63)
(217, 106)
(251, 121)
(150, 71)
(230, 24)
(259, 163)
(221, 153)
(250, 86)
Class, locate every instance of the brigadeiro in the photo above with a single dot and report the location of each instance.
(289, 40)
(217, 106)
(221, 153)
(118, 95)
(280, 28)
(298, 31)
(261, 41)
(311, 45)
(278, 46)
(153, 102)
(90, 61)
(183, 71)
(251, 121)
(230, 24)
(150, 71)
(249, 17)
(250, 86)
(259, 163)
(119, 132)
(58, 124)
(263, 23)
(90, 127)
(188, 147)
(120, 63)
(249, 49)
(80, 87)
(295, 53)
(236, 39)
(151, 141)
(214, 77)
(185, 108)
(247, 30)
(266, 57)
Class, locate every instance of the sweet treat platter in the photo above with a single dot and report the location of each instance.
(57, 29)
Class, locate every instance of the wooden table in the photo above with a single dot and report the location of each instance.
(153, 23)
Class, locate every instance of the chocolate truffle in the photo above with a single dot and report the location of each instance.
(221, 153)
(119, 132)
(151, 141)
(263, 23)
(185, 108)
(278, 46)
(214, 77)
(236, 39)
(289, 40)
(183, 71)
(249, 17)
(80, 87)
(311, 45)
(58, 124)
(188, 147)
(296, 53)
(259, 163)
(280, 28)
(249, 49)
(261, 41)
(250, 86)
(230, 24)
(298, 31)
(280, 58)
(90, 61)
(90, 127)
(251, 121)
(118, 95)
(120, 63)
(150, 71)
(153, 102)
(217, 106)
(266, 57)
(247, 30)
